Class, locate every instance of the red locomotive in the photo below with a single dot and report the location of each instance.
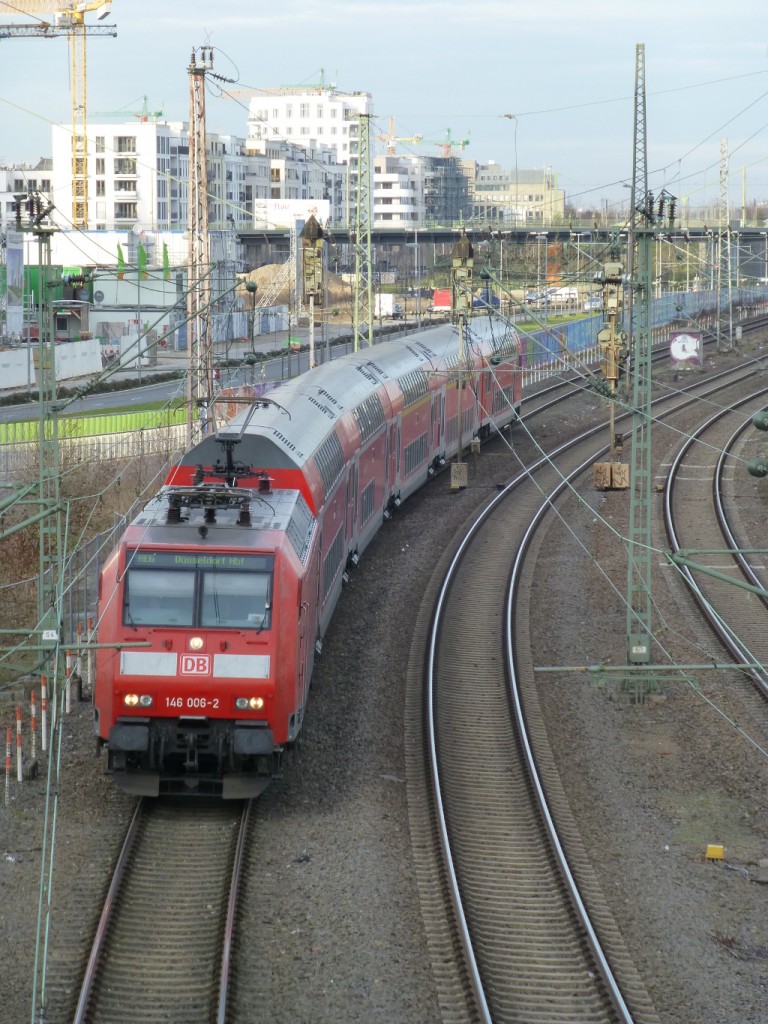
(216, 600)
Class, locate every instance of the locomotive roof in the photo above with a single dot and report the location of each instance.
(285, 511)
(303, 411)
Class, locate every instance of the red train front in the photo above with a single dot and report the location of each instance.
(201, 692)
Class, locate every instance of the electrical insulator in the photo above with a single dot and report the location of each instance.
(660, 211)
(672, 210)
(649, 204)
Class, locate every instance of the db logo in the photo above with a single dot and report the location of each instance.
(195, 664)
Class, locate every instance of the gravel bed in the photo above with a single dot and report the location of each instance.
(337, 934)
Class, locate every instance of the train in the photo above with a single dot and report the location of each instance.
(214, 604)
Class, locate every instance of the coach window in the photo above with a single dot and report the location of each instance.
(159, 597)
(236, 600)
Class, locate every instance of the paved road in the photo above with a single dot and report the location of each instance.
(281, 366)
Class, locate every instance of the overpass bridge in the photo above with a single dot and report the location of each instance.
(696, 243)
(344, 234)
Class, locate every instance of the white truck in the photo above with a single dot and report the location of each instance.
(386, 308)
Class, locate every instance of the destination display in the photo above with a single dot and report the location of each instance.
(198, 560)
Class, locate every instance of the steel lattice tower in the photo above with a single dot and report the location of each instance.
(362, 316)
(640, 340)
(200, 367)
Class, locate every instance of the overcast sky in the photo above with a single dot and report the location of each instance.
(564, 68)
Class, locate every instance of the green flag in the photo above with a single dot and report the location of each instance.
(142, 262)
(120, 263)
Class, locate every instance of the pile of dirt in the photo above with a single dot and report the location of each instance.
(339, 290)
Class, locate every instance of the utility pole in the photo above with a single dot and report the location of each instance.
(362, 315)
(200, 360)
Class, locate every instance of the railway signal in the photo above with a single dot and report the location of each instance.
(613, 475)
(759, 467)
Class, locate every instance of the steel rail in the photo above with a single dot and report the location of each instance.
(123, 860)
(229, 926)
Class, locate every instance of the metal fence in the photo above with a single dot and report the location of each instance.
(18, 460)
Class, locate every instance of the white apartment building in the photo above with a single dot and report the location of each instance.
(138, 173)
(313, 117)
(398, 191)
(278, 174)
(309, 115)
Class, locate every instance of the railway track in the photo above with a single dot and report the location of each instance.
(529, 929)
(164, 941)
(710, 462)
(530, 946)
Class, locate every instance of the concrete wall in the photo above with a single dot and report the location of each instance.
(73, 359)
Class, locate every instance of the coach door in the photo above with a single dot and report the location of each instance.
(392, 456)
(436, 421)
(352, 503)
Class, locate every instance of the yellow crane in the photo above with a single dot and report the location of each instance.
(390, 138)
(68, 19)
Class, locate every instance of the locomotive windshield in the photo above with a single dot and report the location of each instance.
(186, 589)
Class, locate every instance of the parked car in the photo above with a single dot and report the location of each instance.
(593, 302)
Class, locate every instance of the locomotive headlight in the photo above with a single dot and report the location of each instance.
(133, 700)
(196, 643)
(249, 703)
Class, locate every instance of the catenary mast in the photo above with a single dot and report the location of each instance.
(200, 367)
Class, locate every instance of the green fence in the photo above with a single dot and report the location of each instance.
(94, 426)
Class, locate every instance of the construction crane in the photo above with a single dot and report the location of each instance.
(68, 20)
(447, 147)
(391, 138)
(143, 115)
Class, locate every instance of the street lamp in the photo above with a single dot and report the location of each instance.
(513, 117)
